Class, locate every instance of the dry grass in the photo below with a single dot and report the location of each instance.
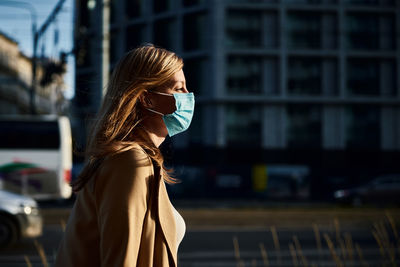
(264, 255)
(27, 260)
(42, 254)
(343, 250)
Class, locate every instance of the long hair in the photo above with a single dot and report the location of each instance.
(117, 126)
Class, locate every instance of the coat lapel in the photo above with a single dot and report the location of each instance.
(167, 219)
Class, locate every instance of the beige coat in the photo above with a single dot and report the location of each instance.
(123, 217)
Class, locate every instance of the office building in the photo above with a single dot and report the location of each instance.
(312, 82)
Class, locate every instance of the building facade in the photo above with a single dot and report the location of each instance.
(313, 82)
(16, 82)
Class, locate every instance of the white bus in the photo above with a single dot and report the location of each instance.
(36, 156)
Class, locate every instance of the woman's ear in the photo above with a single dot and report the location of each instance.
(145, 100)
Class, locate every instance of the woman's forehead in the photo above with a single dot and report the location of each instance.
(178, 77)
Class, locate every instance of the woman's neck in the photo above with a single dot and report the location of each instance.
(157, 140)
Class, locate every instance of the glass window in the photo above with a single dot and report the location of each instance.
(362, 31)
(271, 76)
(160, 6)
(271, 30)
(134, 36)
(363, 77)
(253, 1)
(188, 3)
(388, 78)
(304, 76)
(243, 28)
(133, 8)
(84, 48)
(164, 33)
(388, 32)
(114, 53)
(304, 125)
(243, 124)
(29, 135)
(194, 31)
(304, 30)
(363, 126)
(196, 126)
(84, 13)
(196, 75)
(113, 12)
(303, 1)
(329, 28)
(83, 95)
(370, 2)
(244, 75)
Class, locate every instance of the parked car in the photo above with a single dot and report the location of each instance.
(383, 189)
(19, 218)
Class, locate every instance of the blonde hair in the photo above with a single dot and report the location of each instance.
(117, 126)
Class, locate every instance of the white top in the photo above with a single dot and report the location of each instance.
(180, 226)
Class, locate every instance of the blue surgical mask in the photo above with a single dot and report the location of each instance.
(178, 121)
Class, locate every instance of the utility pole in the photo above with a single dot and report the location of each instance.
(105, 47)
(36, 38)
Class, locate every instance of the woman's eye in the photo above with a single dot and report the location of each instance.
(180, 89)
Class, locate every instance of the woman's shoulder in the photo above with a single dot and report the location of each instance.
(133, 166)
(128, 161)
(134, 156)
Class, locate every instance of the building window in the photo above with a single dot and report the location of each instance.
(371, 77)
(244, 75)
(388, 32)
(363, 77)
(371, 31)
(304, 76)
(194, 31)
(243, 125)
(253, 1)
(165, 33)
(196, 75)
(189, 3)
(243, 28)
(304, 30)
(303, 1)
(362, 31)
(160, 6)
(196, 127)
(134, 36)
(363, 126)
(304, 126)
(388, 78)
(84, 96)
(113, 12)
(84, 48)
(114, 49)
(85, 13)
(271, 76)
(271, 30)
(371, 2)
(133, 8)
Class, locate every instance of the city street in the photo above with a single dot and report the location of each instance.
(296, 241)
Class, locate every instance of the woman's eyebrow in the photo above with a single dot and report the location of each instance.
(176, 82)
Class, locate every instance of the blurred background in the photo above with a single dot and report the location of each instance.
(296, 126)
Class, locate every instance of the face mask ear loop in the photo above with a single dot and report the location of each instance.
(159, 113)
(159, 93)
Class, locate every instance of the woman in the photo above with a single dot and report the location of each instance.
(122, 215)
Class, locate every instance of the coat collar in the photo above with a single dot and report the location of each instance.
(166, 217)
